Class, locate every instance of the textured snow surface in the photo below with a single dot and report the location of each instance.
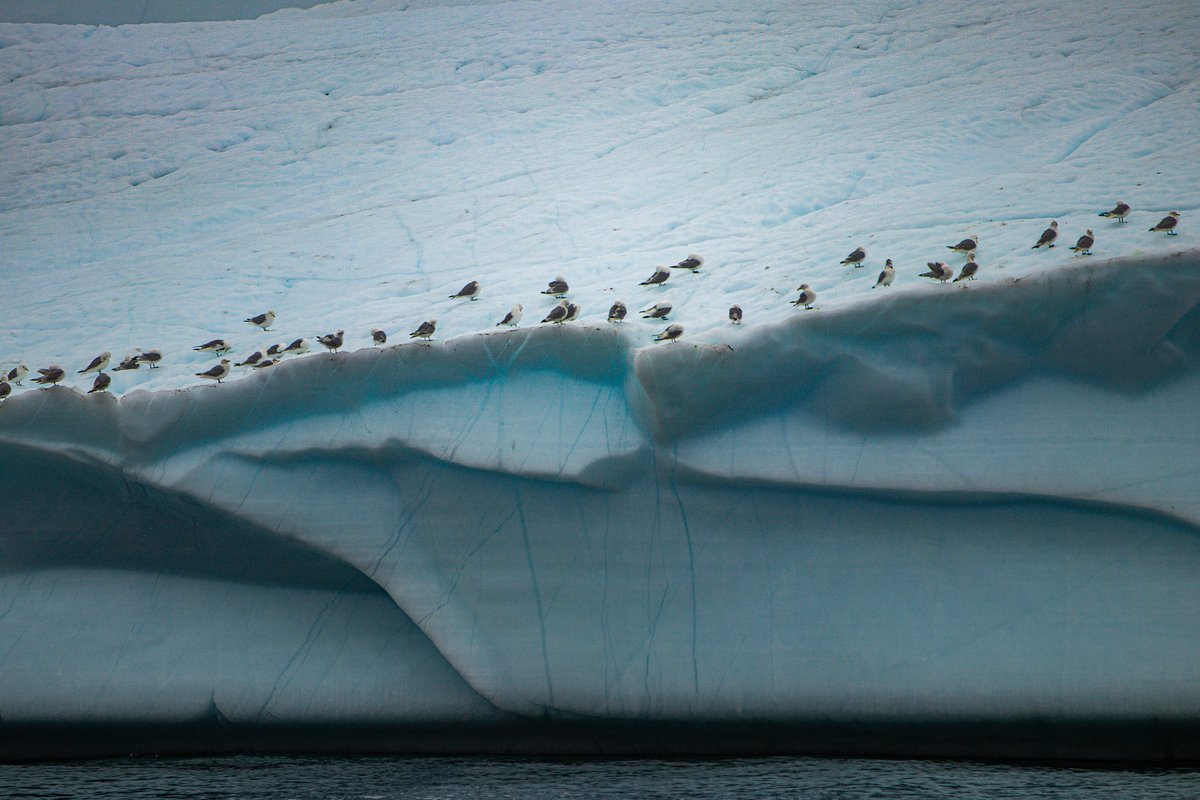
(126, 12)
(943, 504)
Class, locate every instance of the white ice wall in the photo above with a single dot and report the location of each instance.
(687, 534)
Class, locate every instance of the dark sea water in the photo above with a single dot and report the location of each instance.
(378, 778)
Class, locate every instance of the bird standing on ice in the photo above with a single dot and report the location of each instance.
(939, 271)
(1168, 224)
(693, 263)
(217, 373)
(470, 291)
(657, 311)
(1119, 212)
(617, 312)
(425, 330)
(17, 374)
(807, 297)
(332, 341)
(1084, 246)
(673, 332)
(251, 359)
(967, 245)
(97, 364)
(572, 313)
(512, 317)
(50, 375)
(856, 258)
(217, 346)
(658, 278)
(968, 271)
(263, 320)
(151, 357)
(558, 287)
(128, 363)
(1048, 236)
(887, 276)
(735, 315)
(297, 347)
(101, 383)
(558, 314)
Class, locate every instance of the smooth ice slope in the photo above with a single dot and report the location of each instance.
(928, 519)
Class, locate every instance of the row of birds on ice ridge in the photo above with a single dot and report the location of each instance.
(565, 311)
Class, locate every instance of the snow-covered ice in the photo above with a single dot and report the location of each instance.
(932, 504)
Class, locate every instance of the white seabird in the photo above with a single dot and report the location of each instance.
(693, 262)
(251, 359)
(887, 276)
(377, 336)
(658, 278)
(98, 364)
(101, 383)
(50, 375)
(1048, 236)
(263, 320)
(218, 346)
(267, 362)
(558, 314)
(274, 350)
(939, 271)
(673, 332)
(1119, 212)
(151, 357)
(968, 271)
(512, 317)
(1168, 224)
(1084, 246)
(856, 258)
(967, 245)
(558, 287)
(572, 313)
(217, 372)
(807, 297)
(657, 311)
(617, 312)
(297, 347)
(735, 315)
(332, 341)
(470, 291)
(17, 374)
(129, 362)
(424, 330)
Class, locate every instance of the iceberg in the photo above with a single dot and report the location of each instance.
(925, 519)
(967, 512)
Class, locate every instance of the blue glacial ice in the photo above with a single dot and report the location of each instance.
(969, 511)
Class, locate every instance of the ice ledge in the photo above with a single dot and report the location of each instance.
(1036, 384)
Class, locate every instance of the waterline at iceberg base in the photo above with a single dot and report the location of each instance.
(957, 522)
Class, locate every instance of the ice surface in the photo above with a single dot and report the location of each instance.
(962, 504)
(126, 12)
